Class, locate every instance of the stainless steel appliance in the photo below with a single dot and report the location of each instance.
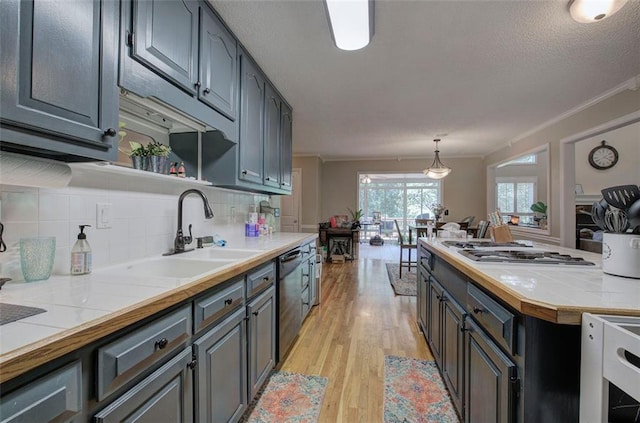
(524, 257)
(484, 244)
(288, 291)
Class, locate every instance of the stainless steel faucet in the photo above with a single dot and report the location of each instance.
(181, 240)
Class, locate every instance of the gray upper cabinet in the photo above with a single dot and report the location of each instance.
(251, 122)
(59, 65)
(286, 155)
(165, 38)
(272, 138)
(218, 65)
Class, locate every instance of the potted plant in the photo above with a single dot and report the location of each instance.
(540, 207)
(355, 217)
(158, 154)
(138, 155)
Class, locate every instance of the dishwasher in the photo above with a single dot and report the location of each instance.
(289, 307)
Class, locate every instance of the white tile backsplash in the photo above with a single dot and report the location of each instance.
(143, 220)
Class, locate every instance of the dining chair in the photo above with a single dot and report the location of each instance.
(404, 245)
(468, 220)
(483, 225)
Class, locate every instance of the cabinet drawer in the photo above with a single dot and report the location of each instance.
(127, 357)
(261, 279)
(425, 258)
(56, 396)
(493, 317)
(166, 395)
(212, 307)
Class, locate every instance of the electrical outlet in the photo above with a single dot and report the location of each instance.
(103, 215)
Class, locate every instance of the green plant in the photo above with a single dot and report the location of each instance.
(137, 149)
(539, 207)
(156, 148)
(355, 215)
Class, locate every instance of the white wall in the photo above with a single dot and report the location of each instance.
(144, 217)
(627, 171)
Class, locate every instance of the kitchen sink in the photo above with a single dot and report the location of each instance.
(224, 253)
(169, 267)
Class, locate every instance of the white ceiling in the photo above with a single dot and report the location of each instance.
(484, 72)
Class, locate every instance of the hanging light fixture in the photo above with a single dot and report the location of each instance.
(437, 170)
(587, 11)
(351, 22)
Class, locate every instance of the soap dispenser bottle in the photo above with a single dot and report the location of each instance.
(81, 254)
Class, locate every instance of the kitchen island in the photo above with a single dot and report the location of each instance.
(506, 336)
(101, 333)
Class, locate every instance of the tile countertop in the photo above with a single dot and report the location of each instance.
(82, 309)
(556, 293)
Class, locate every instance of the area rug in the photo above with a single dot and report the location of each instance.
(288, 397)
(415, 393)
(402, 286)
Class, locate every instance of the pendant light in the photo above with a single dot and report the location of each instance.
(437, 170)
(587, 11)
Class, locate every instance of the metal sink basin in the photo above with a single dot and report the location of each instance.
(224, 253)
(169, 267)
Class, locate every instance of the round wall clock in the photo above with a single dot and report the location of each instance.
(603, 156)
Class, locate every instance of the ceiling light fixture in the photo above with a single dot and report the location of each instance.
(587, 11)
(351, 22)
(365, 179)
(437, 170)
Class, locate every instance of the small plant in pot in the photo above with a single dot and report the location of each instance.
(540, 207)
(158, 154)
(138, 155)
(355, 218)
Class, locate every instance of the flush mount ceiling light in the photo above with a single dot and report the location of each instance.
(587, 11)
(437, 170)
(351, 22)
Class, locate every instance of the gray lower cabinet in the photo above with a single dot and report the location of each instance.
(261, 312)
(434, 325)
(165, 396)
(422, 298)
(221, 371)
(54, 397)
(252, 86)
(59, 93)
(489, 395)
(165, 38)
(453, 348)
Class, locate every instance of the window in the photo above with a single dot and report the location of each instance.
(400, 197)
(524, 160)
(514, 196)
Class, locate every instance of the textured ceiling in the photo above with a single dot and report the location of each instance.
(484, 72)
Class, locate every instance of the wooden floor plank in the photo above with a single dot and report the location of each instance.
(345, 338)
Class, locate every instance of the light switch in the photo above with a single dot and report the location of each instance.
(103, 215)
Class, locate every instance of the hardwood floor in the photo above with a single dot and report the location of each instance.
(345, 338)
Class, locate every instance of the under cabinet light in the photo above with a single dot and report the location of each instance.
(351, 22)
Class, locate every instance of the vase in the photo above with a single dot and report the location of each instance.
(138, 162)
(157, 164)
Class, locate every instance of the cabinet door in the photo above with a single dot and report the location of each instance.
(165, 38)
(434, 335)
(221, 380)
(165, 396)
(453, 349)
(262, 339)
(286, 135)
(488, 383)
(218, 65)
(59, 67)
(272, 138)
(251, 122)
(423, 299)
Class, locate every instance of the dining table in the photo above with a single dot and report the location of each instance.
(418, 228)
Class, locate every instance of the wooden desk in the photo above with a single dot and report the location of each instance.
(352, 235)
